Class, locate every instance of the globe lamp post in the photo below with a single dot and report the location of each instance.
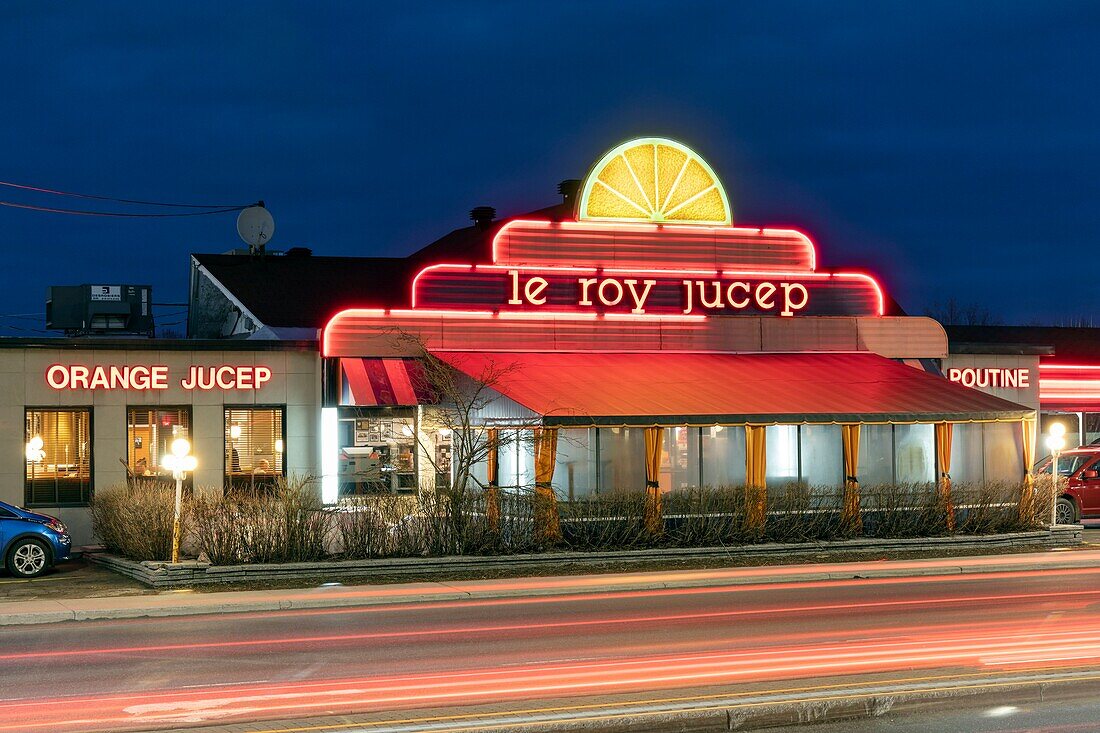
(180, 462)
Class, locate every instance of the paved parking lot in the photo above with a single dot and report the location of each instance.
(70, 579)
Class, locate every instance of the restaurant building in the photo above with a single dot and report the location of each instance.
(636, 340)
(642, 340)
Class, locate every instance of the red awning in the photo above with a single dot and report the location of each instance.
(380, 382)
(705, 389)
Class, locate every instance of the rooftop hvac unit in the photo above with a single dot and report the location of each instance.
(82, 310)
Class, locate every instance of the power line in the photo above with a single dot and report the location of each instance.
(55, 192)
(119, 214)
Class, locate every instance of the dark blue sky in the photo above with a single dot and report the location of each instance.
(950, 147)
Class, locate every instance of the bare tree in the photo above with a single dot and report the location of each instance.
(459, 405)
(460, 401)
(953, 313)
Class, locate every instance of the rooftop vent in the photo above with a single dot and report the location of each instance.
(483, 216)
(96, 310)
(569, 188)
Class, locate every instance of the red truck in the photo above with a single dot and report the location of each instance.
(1080, 483)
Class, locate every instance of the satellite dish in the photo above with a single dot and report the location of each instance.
(255, 226)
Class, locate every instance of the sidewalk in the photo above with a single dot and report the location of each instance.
(181, 603)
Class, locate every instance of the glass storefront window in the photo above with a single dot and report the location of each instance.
(1003, 452)
(255, 446)
(377, 452)
(516, 459)
(915, 454)
(575, 466)
(967, 453)
(58, 457)
(1072, 423)
(1092, 428)
(723, 456)
(822, 457)
(679, 459)
(782, 454)
(876, 455)
(149, 435)
(622, 460)
(442, 446)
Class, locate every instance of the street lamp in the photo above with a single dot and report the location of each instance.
(180, 462)
(1056, 441)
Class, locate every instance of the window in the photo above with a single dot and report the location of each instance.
(876, 455)
(378, 451)
(254, 446)
(58, 456)
(1071, 421)
(967, 451)
(781, 463)
(1004, 452)
(149, 435)
(915, 453)
(822, 459)
(1092, 428)
(575, 464)
(515, 459)
(679, 459)
(724, 456)
(622, 460)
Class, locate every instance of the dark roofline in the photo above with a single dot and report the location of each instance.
(963, 347)
(146, 344)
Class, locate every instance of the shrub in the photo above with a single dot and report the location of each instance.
(989, 508)
(136, 520)
(903, 510)
(381, 525)
(705, 517)
(801, 513)
(611, 521)
(287, 523)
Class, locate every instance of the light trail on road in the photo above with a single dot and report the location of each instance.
(415, 656)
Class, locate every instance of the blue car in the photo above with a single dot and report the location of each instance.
(31, 543)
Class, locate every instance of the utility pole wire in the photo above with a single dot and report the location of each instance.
(55, 192)
(117, 214)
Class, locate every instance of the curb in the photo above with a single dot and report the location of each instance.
(163, 575)
(123, 607)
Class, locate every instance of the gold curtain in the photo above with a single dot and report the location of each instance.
(943, 460)
(851, 519)
(654, 522)
(1027, 491)
(756, 492)
(546, 505)
(492, 494)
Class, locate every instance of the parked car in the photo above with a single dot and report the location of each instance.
(31, 542)
(1080, 484)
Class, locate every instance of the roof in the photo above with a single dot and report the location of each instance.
(1066, 343)
(108, 343)
(304, 291)
(709, 388)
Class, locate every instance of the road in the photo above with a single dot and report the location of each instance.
(416, 660)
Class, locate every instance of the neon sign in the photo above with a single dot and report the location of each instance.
(610, 292)
(990, 377)
(643, 292)
(142, 378)
(654, 179)
(652, 242)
